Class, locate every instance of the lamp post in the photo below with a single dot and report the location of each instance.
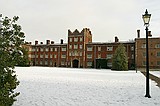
(146, 19)
(0, 21)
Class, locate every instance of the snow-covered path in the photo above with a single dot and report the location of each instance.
(155, 73)
(43, 86)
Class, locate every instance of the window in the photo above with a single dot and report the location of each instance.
(89, 48)
(46, 62)
(47, 49)
(144, 54)
(69, 63)
(51, 63)
(32, 56)
(46, 56)
(41, 56)
(132, 48)
(89, 63)
(76, 53)
(80, 54)
(157, 45)
(70, 39)
(89, 56)
(75, 39)
(80, 46)
(70, 54)
(62, 63)
(55, 49)
(70, 46)
(41, 50)
(36, 56)
(41, 62)
(99, 55)
(33, 49)
(132, 56)
(144, 63)
(36, 49)
(109, 48)
(99, 48)
(29, 55)
(109, 64)
(143, 45)
(51, 49)
(63, 48)
(75, 46)
(73, 53)
(81, 39)
(109, 56)
(30, 49)
(158, 63)
(158, 54)
(63, 56)
(51, 56)
(55, 56)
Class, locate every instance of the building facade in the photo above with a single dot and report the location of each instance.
(154, 52)
(78, 52)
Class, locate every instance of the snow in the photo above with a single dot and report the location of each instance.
(44, 86)
(155, 73)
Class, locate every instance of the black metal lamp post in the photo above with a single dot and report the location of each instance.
(0, 21)
(146, 18)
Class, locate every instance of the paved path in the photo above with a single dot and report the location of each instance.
(152, 77)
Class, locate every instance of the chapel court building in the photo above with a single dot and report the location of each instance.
(78, 52)
(154, 51)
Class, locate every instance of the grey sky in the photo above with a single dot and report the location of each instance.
(50, 19)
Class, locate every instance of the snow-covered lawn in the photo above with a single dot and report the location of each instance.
(44, 86)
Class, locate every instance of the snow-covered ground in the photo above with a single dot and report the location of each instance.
(44, 86)
(155, 73)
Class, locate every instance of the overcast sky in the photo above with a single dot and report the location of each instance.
(51, 19)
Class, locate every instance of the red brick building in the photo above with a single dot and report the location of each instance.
(154, 51)
(79, 51)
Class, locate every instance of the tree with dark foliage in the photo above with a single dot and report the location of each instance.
(120, 59)
(11, 39)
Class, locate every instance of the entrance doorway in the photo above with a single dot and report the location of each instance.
(75, 63)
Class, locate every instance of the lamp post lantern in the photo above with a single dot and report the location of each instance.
(146, 18)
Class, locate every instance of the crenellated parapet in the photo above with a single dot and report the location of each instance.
(76, 32)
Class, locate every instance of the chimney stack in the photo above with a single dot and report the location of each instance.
(52, 42)
(116, 39)
(36, 42)
(149, 34)
(61, 41)
(47, 42)
(138, 33)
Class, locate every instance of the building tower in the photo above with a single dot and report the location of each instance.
(76, 47)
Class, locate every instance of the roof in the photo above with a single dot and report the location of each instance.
(106, 43)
